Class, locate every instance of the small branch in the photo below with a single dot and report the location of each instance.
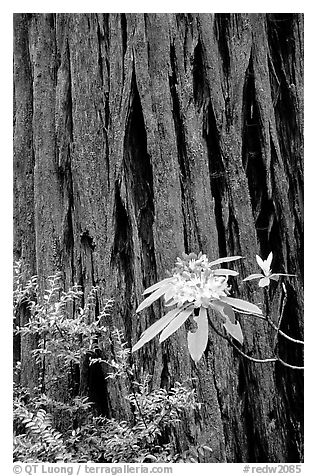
(161, 419)
(271, 323)
(252, 359)
(277, 328)
(296, 367)
(297, 341)
(61, 331)
(134, 393)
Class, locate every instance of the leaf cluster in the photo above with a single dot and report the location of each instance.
(35, 438)
(156, 413)
(66, 332)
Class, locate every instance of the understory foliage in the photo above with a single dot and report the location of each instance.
(66, 333)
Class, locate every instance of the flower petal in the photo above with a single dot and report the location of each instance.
(269, 260)
(176, 323)
(158, 285)
(224, 260)
(253, 276)
(241, 305)
(155, 328)
(197, 341)
(264, 282)
(260, 262)
(153, 297)
(169, 293)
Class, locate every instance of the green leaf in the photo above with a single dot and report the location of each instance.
(241, 305)
(225, 272)
(197, 341)
(155, 328)
(170, 303)
(234, 330)
(253, 276)
(153, 297)
(158, 285)
(276, 275)
(225, 310)
(176, 323)
(224, 260)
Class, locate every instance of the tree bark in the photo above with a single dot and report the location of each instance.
(140, 136)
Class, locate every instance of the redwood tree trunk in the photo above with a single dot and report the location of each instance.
(140, 136)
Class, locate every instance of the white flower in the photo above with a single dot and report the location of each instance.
(195, 284)
(264, 278)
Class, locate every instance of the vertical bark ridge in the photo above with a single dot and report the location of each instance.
(191, 233)
(254, 161)
(146, 145)
(23, 190)
(217, 177)
(46, 183)
(64, 143)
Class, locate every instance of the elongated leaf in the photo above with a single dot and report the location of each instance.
(225, 310)
(231, 325)
(153, 297)
(197, 341)
(155, 328)
(170, 303)
(242, 305)
(224, 260)
(234, 330)
(253, 276)
(158, 285)
(274, 275)
(225, 272)
(176, 323)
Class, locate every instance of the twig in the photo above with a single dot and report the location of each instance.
(252, 359)
(134, 392)
(277, 328)
(297, 341)
(296, 367)
(61, 331)
(271, 323)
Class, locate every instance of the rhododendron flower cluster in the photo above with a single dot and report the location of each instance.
(196, 283)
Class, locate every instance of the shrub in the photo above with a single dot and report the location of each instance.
(67, 332)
